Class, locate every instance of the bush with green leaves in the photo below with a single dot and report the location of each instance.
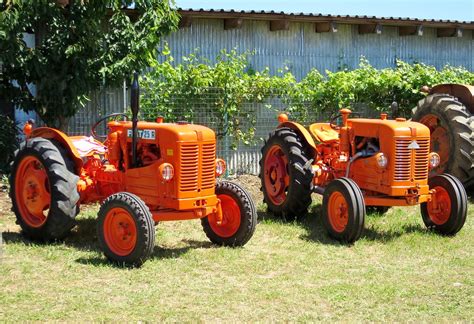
(175, 91)
(8, 142)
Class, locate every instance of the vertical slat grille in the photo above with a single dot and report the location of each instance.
(208, 174)
(421, 159)
(197, 168)
(406, 157)
(189, 167)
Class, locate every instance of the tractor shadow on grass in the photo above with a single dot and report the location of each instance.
(159, 253)
(316, 232)
(83, 237)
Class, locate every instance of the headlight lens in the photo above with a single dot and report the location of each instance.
(434, 160)
(220, 167)
(382, 160)
(166, 172)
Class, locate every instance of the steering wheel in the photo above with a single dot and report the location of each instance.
(101, 120)
(332, 121)
(334, 117)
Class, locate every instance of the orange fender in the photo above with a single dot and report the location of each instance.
(57, 135)
(303, 132)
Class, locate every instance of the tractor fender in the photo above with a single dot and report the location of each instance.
(63, 139)
(303, 132)
(464, 93)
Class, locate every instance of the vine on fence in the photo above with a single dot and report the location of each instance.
(171, 89)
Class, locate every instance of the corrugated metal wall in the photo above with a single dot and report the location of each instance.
(301, 49)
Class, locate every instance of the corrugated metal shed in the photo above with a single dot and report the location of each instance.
(301, 48)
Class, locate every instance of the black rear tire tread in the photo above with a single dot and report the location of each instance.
(248, 221)
(144, 224)
(460, 125)
(300, 188)
(63, 184)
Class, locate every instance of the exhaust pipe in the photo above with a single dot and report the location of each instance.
(134, 104)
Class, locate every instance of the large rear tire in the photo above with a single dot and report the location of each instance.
(285, 174)
(452, 135)
(126, 229)
(344, 210)
(447, 214)
(43, 190)
(239, 216)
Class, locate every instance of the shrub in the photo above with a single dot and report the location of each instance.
(8, 142)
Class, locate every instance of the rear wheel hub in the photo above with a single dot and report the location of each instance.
(276, 174)
(32, 191)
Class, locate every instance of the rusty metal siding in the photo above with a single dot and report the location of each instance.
(300, 48)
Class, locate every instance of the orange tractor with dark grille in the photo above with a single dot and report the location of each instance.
(362, 162)
(143, 173)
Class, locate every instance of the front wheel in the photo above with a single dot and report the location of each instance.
(344, 210)
(447, 211)
(126, 229)
(239, 217)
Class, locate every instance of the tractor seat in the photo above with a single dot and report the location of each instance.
(87, 146)
(323, 132)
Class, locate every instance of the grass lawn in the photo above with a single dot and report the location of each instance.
(398, 271)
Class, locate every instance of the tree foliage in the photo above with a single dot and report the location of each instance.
(80, 46)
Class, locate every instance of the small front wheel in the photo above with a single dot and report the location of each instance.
(344, 210)
(447, 211)
(239, 216)
(126, 229)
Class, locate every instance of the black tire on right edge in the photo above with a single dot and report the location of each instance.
(458, 202)
(298, 194)
(239, 199)
(355, 205)
(459, 123)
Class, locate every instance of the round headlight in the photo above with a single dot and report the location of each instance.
(220, 167)
(382, 160)
(434, 159)
(166, 172)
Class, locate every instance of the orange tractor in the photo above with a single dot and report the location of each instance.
(362, 162)
(143, 173)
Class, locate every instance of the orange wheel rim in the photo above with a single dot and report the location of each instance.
(275, 175)
(120, 231)
(338, 212)
(230, 217)
(439, 140)
(439, 209)
(32, 191)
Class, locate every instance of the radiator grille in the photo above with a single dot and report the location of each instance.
(189, 167)
(405, 158)
(193, 169)
(208, 174)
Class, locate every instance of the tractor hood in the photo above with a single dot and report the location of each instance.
(388, 128)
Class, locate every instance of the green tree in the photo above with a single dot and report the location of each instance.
(80, 45)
